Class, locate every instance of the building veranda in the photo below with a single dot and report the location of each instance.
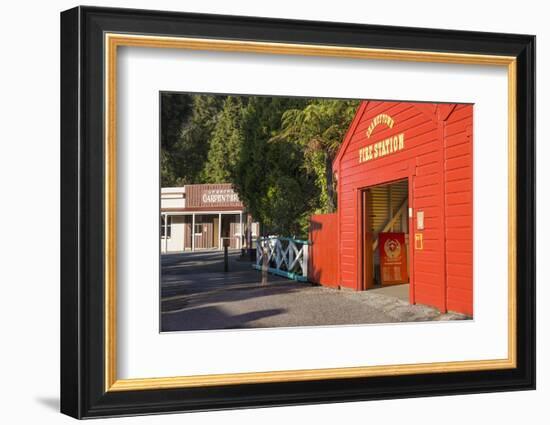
(204, 216)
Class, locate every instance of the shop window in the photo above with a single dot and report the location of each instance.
(198, 229)
(165, 226)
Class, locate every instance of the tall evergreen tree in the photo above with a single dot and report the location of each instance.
(225, 143)
(176, 110)
(185, 145)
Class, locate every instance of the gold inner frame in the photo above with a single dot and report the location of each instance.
(112, 41)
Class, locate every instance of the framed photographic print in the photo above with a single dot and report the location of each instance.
(261, 212)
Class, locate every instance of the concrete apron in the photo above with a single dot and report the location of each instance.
(393, 300)
(398, 291)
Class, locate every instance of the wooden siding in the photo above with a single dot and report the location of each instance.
(208, 237)
(323, 251)
(234, 231)
(459, 209)
(437, 162)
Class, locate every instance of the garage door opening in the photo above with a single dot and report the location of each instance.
(385, 237)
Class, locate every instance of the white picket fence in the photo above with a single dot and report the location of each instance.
(285, 256)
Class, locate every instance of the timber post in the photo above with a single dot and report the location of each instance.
(265, 262)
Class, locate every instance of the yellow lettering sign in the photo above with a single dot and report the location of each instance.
(379, 119)
(382, 148)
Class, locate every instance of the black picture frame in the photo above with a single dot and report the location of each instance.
(83, 392)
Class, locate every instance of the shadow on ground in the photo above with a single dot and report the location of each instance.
(196, 294)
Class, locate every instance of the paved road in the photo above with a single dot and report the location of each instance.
(198, 295)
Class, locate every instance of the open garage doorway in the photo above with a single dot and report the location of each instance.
(385, 238)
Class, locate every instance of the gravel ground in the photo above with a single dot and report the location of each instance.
(198, 295)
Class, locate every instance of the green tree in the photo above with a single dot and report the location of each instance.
(320, 128)
(176, 110)
(270, 177)
(291, 193)
(277, 151)
(185, 135)
(225, 143)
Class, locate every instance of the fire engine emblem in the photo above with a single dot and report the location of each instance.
(392, 248)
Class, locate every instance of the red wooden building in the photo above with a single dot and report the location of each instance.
(404, 177)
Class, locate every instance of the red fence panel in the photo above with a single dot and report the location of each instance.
(323, 251)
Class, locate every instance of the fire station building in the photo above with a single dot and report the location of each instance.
(404, 176)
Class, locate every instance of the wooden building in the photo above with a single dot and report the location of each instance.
(404, 177)
(202, 216)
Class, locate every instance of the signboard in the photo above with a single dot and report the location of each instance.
(420, 220)
(384, 147)
(418, 241)
(219, 196)
(393, 258)
(211, 195)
